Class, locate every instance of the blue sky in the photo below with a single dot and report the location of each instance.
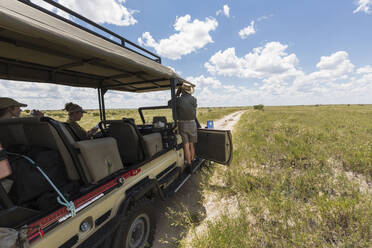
(237, 52)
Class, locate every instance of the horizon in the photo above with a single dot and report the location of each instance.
(243, 106)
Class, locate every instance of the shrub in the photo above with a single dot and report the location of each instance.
(258, 107)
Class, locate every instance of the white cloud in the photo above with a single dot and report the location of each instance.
(334, 66)
(268, 62)
(49, 96)
(264, 17)
(247, 31)
(225, 10)
(100, 11)
(189, 37)
(364, 6)
(178, 72)
(365, 70)
(282, 82)
(44, 5)
(202, 81)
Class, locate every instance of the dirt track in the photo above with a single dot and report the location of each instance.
(188, 196)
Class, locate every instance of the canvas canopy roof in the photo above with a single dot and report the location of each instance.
(36, 46)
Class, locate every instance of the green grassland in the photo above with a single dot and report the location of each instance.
(301, 175)
(91, 118)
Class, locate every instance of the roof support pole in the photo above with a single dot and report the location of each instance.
(173, 83)
(101, 101)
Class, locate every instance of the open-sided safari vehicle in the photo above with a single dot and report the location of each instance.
(97, 192)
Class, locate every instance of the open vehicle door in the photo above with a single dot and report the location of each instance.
(214, 145)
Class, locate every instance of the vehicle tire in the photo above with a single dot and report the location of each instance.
(137, 229)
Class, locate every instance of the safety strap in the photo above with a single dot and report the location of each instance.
(61, 198)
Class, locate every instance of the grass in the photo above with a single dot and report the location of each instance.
(91, 118)
(296, 174)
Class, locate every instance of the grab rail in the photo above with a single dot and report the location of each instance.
(123, 42)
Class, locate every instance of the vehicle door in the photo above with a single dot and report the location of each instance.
(215, 145)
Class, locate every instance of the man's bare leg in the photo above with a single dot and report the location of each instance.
(192, 150)
(186, 149)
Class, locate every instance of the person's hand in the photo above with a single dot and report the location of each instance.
(93, 130)
(36, 113)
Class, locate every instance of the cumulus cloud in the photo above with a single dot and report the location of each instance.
(100, 11)
(282, 82)
(44, 5)
(268, 62)
(190, 36)
(364, 6)
(202, 81)
(247, 31)
(334, 66)
(365, 70)
(49, 96)
(225, 10)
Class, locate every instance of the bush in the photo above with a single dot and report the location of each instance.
(258, 107)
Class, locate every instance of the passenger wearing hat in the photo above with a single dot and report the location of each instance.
(75, 113)
(186, 115)
(10, 108)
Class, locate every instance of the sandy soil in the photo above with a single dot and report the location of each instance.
(188, 196)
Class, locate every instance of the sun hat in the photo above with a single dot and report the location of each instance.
(72, 107)
(6, 102)
(188, 88)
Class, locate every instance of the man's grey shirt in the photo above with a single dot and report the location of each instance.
(186, 107)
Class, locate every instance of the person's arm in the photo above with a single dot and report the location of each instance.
(5, 169)
(194, 103)
(179, 90)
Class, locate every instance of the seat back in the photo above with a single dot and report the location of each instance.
(36, 131)
(129, 140)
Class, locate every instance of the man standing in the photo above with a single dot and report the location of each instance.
(186, 113)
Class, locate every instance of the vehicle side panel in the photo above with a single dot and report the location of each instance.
(112, 201)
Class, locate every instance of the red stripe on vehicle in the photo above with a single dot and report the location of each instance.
(36, 229)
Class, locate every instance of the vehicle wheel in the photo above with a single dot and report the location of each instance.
(138, 226)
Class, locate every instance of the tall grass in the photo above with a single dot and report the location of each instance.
(288, 175)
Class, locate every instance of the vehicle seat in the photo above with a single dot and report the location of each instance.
(36, 131)
(129, 140)
(133, 146)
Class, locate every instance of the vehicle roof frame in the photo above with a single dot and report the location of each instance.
(65, 51)
(123, 41)
(174, 82)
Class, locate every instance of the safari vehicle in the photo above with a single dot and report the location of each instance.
(109, 184)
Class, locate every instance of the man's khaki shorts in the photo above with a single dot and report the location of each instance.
(188, 131)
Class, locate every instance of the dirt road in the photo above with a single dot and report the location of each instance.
(188, 196)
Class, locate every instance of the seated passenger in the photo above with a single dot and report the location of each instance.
(10, 108)
(75, 113)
